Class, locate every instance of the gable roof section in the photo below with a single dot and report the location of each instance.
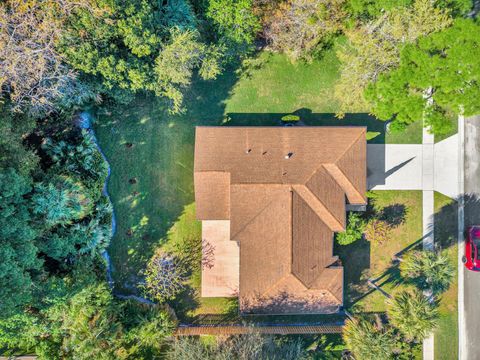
(256, 155)
(212, 193)
(250, 201)
(354, 179)
(312, 243)
(265, 245)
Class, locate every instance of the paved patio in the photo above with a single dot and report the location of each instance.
(222, 279)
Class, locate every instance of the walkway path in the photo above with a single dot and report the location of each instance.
(428, 167)
(428, 185)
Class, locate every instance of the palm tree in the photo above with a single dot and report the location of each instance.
(429, 270)
(366, 341)
(412, 314)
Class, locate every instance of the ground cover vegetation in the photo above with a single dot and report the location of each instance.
(55, 224)
(59, 56)
(446, 226)
(412, 290)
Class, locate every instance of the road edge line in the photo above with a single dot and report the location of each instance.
(462, 343)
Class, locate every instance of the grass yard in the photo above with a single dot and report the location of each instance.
(274, 85)
(446, 335)
(363, 260)
(151, 152)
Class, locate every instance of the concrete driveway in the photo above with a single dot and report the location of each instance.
(414, 167)
(394, 167)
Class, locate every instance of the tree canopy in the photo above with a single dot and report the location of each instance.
(367, 341)
(412, 314)
(17, 242)
(374, 48)
(437, 78)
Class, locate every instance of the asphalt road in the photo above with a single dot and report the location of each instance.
(472, 216)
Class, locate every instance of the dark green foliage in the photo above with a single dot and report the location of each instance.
(79, 156)
(48, 221)
(251, 346)
(90, 236)
(124, 45)
(60, 201)
(18, 253)
(86, 322)
(457, 7)
(437, 78)
(354, 230)
(235, 24)
(12, 150)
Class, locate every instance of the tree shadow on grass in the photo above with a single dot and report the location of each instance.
(142, 141)
(445, 221)
(445, 227)
(355, 260)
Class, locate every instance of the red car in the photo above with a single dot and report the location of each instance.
(472, 244)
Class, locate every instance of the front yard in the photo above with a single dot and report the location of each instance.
(446, 227)
(363, 260)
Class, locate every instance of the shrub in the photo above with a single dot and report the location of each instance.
(354, 230)
(394, 214)
(290, 118)
(428, 270)
(377, 231)
(164, 277)
(61, 201)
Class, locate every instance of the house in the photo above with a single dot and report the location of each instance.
(270, 200)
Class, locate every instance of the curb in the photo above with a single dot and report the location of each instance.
(462, 343)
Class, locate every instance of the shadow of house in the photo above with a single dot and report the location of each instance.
(355, 260)
(309, 118)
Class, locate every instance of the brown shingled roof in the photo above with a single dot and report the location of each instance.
(283, 190)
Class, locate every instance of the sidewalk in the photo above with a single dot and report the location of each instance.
(428, 240)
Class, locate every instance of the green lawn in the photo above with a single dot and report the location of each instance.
(275, 85)
(151, 152)
(446, 335)
(363, 260)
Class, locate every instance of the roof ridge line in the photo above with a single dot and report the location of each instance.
(321, 202)
(273, 286)
(303, 283)
(253, 218)
(329, 171)
(330, 282)
(348, 147)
